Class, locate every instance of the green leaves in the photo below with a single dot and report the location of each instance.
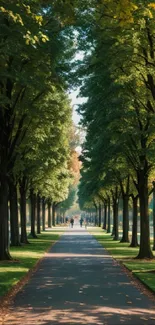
(36, 48)
(118, 80)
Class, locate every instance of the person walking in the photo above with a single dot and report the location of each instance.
(81, 222)
(85, 223)
(72, 222)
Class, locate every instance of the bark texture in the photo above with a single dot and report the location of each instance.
(125, 237)
(134, 240)
(14, 224)
(33, 212)
(38, 214)
(43, 213)
(109, 219)
(49, 215)
(145, 249)
(22, 189)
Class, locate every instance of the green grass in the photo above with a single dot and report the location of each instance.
(142, 269)
(24, 259)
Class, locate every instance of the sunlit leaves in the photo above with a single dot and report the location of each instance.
(119, 85)
(15, 17)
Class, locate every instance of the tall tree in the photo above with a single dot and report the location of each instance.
(29, 71)
(119, 65)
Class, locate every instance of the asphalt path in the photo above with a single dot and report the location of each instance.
(77, 282)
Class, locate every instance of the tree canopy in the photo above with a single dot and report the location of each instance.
(116, 76)
(118, 82)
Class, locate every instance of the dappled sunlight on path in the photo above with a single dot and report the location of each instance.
(79, 283)
(82, 314)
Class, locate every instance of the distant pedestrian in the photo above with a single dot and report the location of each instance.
(81, 222)
(85, 223)
(72, 222)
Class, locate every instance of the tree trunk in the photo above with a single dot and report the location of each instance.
(33, 213)
(105, 217)
(153, 215)
(49, 215)
(134, 241)
(125, 237)
(43, 213)
(115, 216)
(145, 249)
(100, 215)
(113, 230)
(108, 229)
(14, 225)
(53, 213)
(57, 218)
(22, 189)
(38, 214)
(58, 215)
(4, 236)
(63, 218)
(96, 221)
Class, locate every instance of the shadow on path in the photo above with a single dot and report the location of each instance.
(79, 283)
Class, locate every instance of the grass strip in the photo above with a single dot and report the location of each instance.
(25, 258)
(142, 269)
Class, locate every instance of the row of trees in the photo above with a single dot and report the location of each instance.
(36, 48)
(118, 80)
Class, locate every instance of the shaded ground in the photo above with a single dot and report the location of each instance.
(79, 283)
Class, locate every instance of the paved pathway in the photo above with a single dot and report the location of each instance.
(79, 283)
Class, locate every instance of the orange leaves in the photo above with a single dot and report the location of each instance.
(151, 5)
(74, 166)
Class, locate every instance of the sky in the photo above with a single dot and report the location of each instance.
(74, 94)
(75, 100)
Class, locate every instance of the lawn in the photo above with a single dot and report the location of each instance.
(142, 269)
(25, 258)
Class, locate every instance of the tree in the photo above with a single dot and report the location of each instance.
(29, 71)
(66, 204)
(119, 65)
